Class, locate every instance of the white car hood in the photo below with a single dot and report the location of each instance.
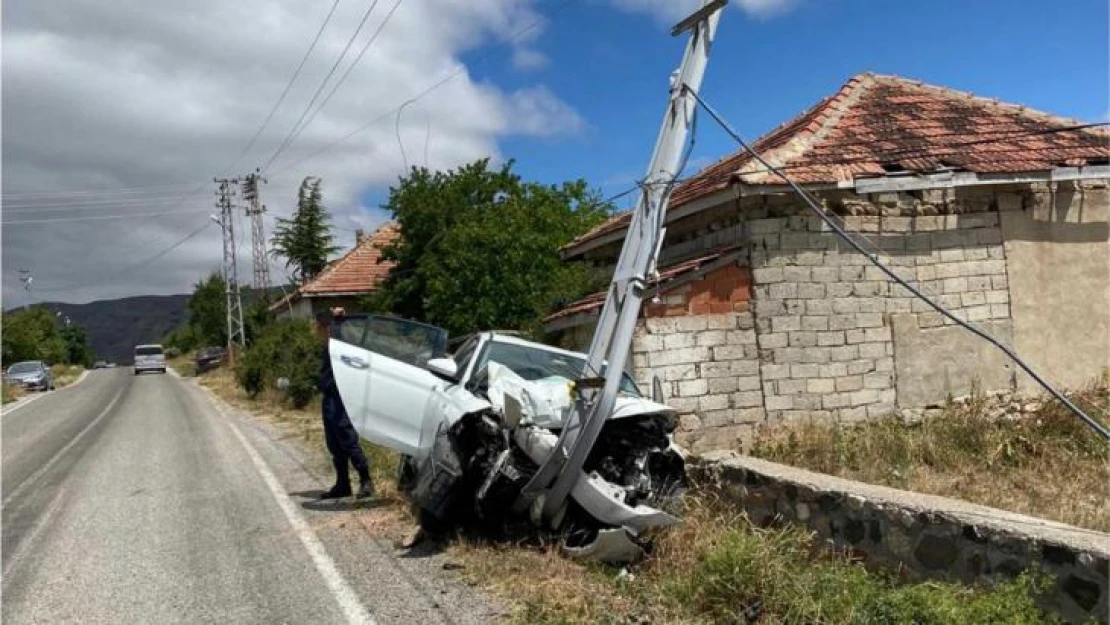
(544, 402)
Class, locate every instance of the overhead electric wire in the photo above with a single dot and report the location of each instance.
(92, 191)
(462, 67)
(92, 218)
(288, 86)
(814, 206)
(141, 263)
(292, 131)
(346, 73)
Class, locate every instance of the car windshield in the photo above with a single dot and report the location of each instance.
(24, 367)
(534, 364)
(148, 351)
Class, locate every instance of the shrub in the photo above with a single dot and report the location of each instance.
(283, 349)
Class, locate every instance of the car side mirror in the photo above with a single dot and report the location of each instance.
(657, 390)
(444, 367)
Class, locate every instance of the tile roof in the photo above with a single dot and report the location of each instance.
(879, 124)
(360, 270)
(595, 301)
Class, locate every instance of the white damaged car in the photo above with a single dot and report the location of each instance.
(474, 426)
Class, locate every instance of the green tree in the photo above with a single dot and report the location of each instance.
(31, 334)
(479, 248)
(77, 348)
(305, 240)
(208, 312)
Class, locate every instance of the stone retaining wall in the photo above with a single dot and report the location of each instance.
(922, 536)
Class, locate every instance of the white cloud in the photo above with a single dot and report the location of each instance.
(128, 93)
(670, 11)
(528, 58)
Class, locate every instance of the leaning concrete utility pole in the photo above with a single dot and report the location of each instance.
(226, 220)
(598, 388)
(255, 209)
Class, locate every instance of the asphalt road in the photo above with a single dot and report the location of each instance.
(138, 500)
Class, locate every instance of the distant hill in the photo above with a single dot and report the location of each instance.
(116, 326)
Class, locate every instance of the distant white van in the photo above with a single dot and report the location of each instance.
(150, 358)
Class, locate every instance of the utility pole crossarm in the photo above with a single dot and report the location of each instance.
(612, 338)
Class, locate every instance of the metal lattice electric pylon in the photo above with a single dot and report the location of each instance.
(255, 209)
(226, 191)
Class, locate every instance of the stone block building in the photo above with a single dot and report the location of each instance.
(761, 313)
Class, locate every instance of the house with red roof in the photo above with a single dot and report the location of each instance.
(345, 281)
(761, 314)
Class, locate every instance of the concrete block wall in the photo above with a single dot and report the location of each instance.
(709, 368)
(920, 536)
(823, 310)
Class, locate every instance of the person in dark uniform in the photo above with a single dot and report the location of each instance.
(340, 435)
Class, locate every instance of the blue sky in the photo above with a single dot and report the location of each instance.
(612, 67)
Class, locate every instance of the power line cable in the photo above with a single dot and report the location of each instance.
(96, 217)
(94, 191)
(462, 67)
(346, 73)
(288, 86)
(1100, 429)
(128, 268)
(292, 131)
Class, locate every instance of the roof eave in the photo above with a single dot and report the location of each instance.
(951, 180)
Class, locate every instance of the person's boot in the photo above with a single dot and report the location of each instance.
(365, 487)
(338, 491)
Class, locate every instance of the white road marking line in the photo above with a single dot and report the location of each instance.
(347, 599)
(53, 459)
(31, 400)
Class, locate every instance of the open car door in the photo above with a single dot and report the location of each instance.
(379, 368)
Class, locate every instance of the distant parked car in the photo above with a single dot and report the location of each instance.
(31, 375)
(150, 358)
(209, 358)
(100, 364)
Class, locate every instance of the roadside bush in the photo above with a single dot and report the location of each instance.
(282, 349)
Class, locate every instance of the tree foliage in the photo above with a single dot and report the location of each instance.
(33, 334)
(77, 348)
(207, 313)
(305, 239)
(479, 247)
(283, 349)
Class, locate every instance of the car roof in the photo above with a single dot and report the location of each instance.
(158, 345)
(28, 362)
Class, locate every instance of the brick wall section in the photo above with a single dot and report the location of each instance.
(821, 308)
(724, 290)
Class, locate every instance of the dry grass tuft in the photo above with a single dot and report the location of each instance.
(1048, 464)
(64, 375)
(10, 393)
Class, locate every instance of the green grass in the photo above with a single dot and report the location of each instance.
(1048, 464)
(718, 568)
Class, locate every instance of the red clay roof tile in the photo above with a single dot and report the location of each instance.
(360, 270)
(876, 121)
